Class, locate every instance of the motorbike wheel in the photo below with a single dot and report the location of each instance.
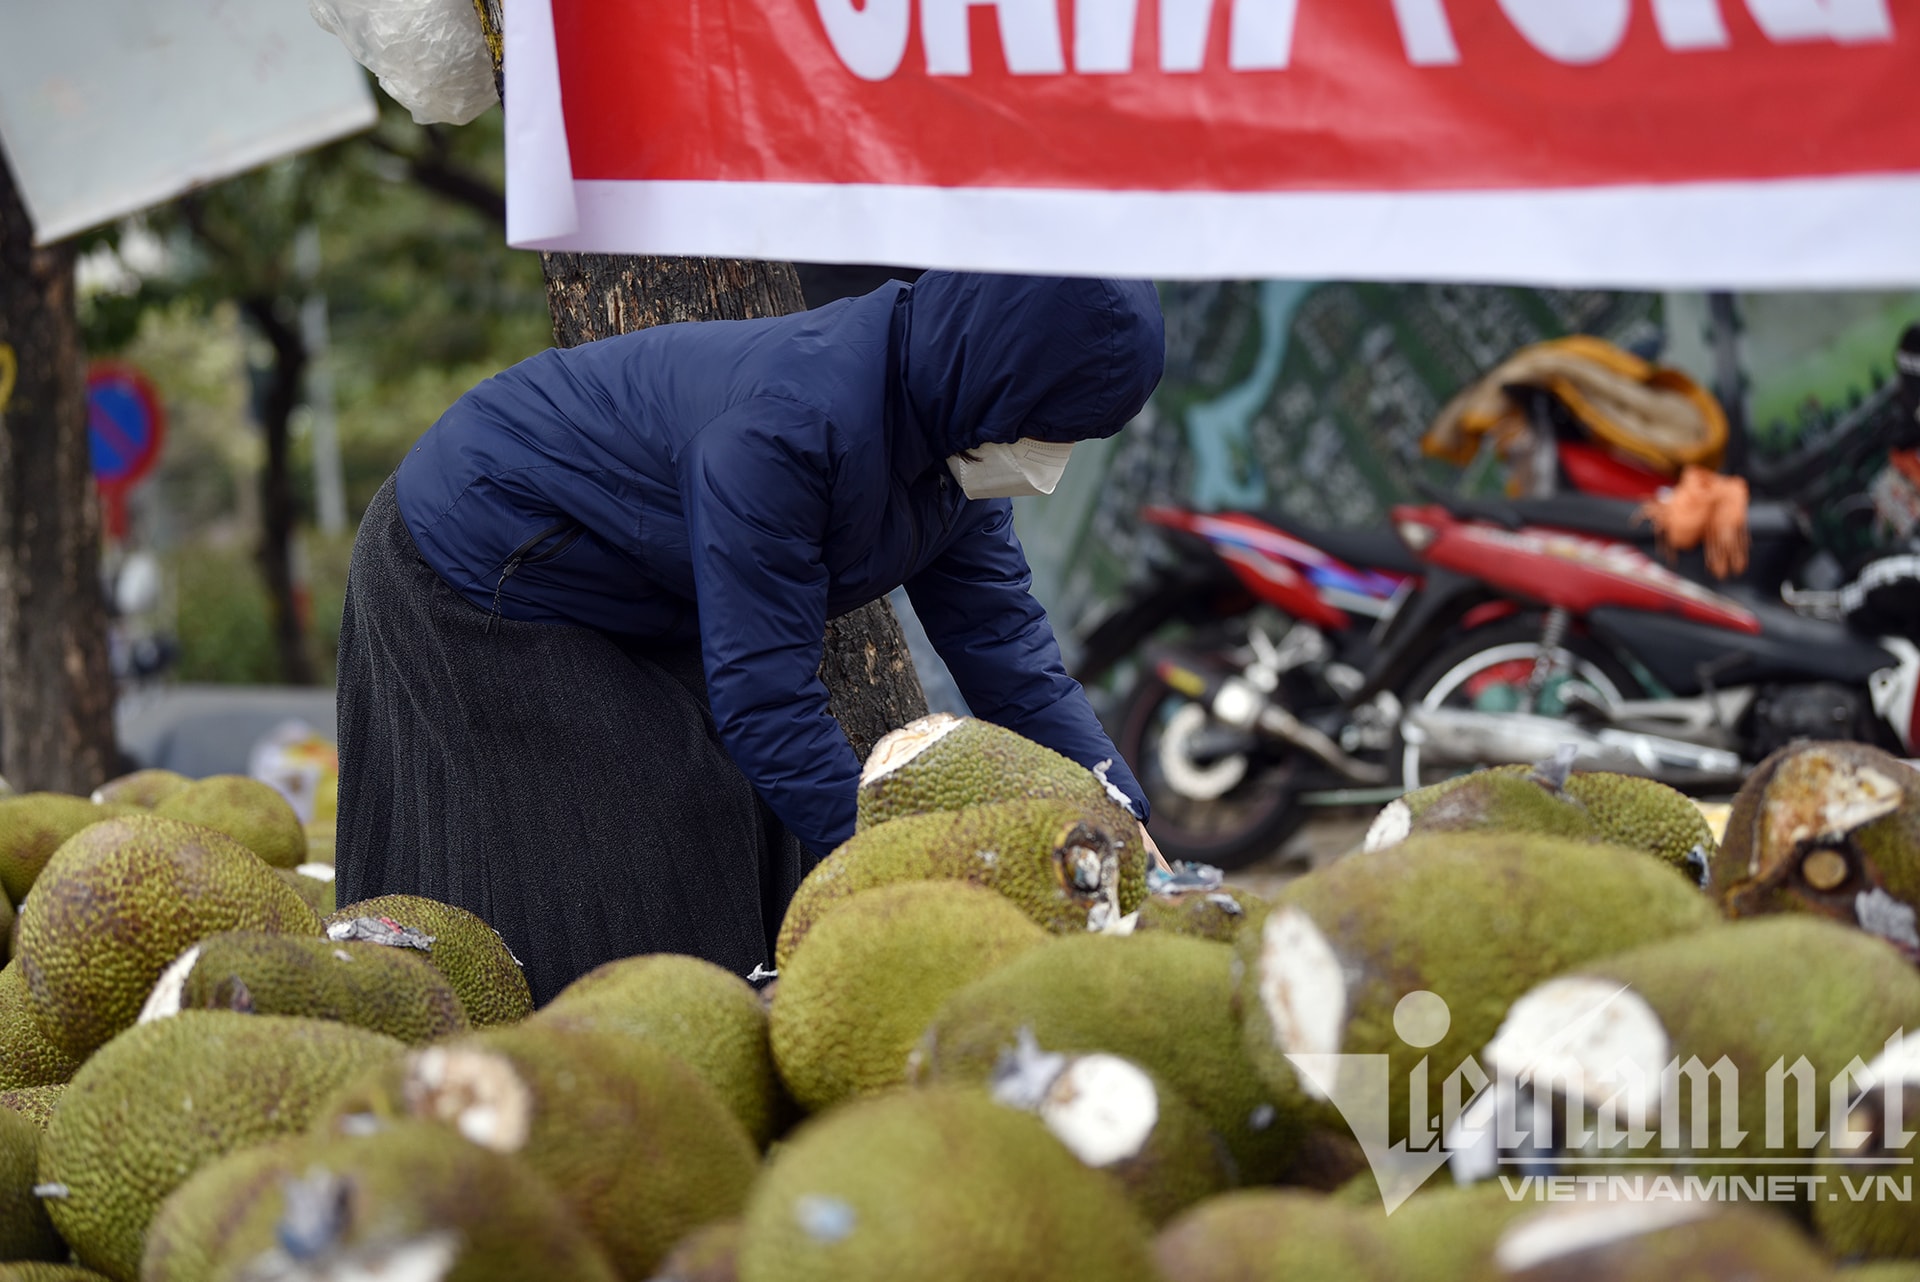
(1491, 665)
(1247, 821)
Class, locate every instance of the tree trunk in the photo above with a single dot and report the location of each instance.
(871, 683)
(56, 688)
(274, 406)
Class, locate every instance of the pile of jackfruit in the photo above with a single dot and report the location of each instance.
(1001, 1042)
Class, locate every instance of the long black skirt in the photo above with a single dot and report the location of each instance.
(569, 789)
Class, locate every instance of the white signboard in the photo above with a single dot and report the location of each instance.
(109, 106)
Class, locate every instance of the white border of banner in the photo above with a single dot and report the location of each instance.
(1812, 234)
(1857, 231)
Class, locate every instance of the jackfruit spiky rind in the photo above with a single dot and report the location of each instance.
(25, 1231)
(412, 1182)
(6, 929)
(389, 990)
(855, 995)
(1645, 814)
(318, 894)
(1627, 810)
(1254, 1235)
(35, 1103)
(41, 1271)
(1804, 986)
(27, 1058)
(1164, 1001)
(123, 898)
(35, 824)
(469, 952)
(1476, 918)
(938, 1185)
(149, 1107)
(1219, 915)
(195, 1225)
(631, 1138)
(1882, 1225)
(1018, 848)
(1490, 801)
(253, 813)
(973, 763)
(708, 1016)
(144, 788)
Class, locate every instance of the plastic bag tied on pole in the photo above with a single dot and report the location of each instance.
(430, 55)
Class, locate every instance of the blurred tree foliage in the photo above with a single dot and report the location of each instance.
(423, 300)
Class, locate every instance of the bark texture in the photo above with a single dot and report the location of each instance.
(871, 683)
(56, 688)
(275, 406)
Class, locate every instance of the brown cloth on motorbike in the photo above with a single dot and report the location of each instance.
(1704, 507)
(1650, 413)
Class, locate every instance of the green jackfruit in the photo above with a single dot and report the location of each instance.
(1415, 951)
(947, 763)
(253, 813)
(33, 825)
(708, 1016)
(6, 928)
(1645, 814)
(1736, 1009)
(119, 902)
(1218, 915)
(1872, 1218)
(1831, 829)
(939, 1185)
(1624, 810)
(630, 1137)
(194, 1227)
(316, 891)
(1676, 1241)
(1119, 1119)
(1271, 1235)
(143, 788)
(46, 1272)
(320, 841)
(710, 1253)
(855, 995)
(35, 1103)
(27, 1058)
(1161, 1000)
(944, 762)
(470, 953)
(410, 1201)
(162, 1098)
(395, 991)
(1056, 859)
(25, 1231)
(1444, 1233)
(1493, 801)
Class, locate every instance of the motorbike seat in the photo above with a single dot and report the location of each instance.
(1363, 548)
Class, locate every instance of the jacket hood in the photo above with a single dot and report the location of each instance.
(995, 358)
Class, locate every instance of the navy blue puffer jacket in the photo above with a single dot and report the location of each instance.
(741, 482)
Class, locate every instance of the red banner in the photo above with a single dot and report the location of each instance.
(1016, 133)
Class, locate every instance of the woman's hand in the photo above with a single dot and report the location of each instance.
(1159, 860)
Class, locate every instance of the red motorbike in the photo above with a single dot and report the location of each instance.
(1234, 669)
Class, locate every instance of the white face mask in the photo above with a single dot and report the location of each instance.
(1020, 470)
